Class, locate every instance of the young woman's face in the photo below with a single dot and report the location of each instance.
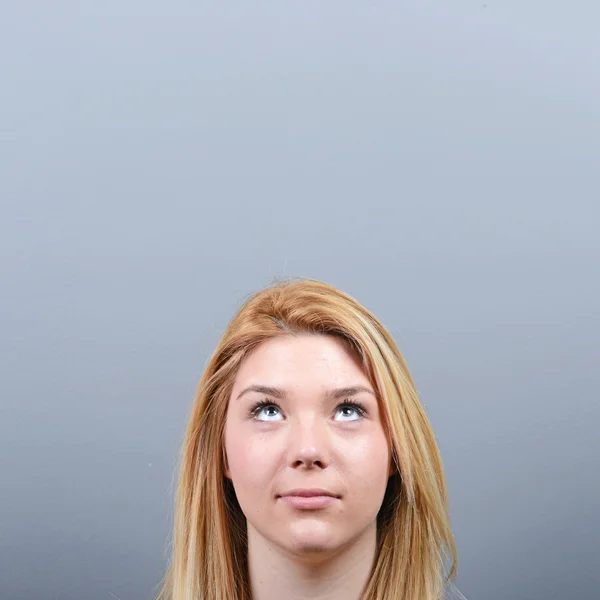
(306, 434)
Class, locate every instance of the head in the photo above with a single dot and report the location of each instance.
(307, 390)
(303, 416)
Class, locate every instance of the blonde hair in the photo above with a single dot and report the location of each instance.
(414, 538)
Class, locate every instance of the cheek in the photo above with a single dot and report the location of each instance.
(247, 458)
(368, 466)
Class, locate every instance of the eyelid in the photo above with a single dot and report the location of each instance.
(261, 404)
(357, 406)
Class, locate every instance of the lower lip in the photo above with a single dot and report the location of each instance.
(309, 502)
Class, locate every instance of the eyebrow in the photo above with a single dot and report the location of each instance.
(331, 395)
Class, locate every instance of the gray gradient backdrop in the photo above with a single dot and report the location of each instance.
(161, 160)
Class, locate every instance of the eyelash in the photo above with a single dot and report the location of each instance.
(256, 408)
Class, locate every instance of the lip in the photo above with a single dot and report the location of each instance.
(309, 499)
(309, 493)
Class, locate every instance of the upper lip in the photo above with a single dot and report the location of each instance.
(310, 492)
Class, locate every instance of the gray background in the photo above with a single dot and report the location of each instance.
(161, 160)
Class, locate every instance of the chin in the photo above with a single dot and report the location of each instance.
(311, 539)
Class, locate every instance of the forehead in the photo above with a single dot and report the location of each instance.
(304, 358)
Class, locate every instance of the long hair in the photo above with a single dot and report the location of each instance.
(414, 537)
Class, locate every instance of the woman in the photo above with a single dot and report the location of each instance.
(309, 467)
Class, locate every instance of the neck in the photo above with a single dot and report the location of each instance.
(275, 573)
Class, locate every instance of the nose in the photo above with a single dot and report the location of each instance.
(308, 445)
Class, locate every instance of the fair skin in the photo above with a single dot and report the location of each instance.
(304, 437)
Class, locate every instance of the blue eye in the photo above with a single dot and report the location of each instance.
(265, 411)
(352, 410)
(269, 411)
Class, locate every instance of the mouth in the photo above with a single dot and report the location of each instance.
(309, 499)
